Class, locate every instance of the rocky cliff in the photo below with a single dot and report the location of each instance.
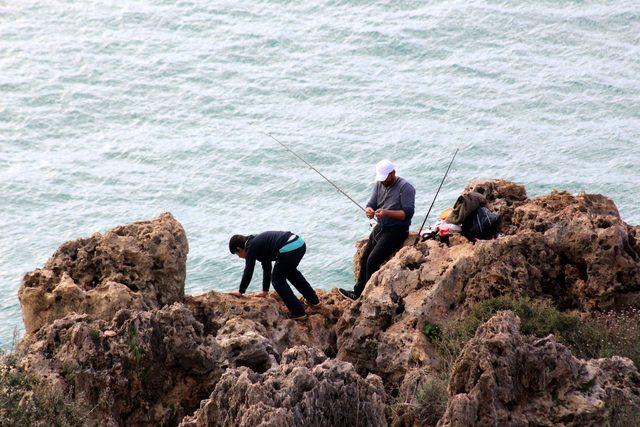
(109, 326)
(505, 378)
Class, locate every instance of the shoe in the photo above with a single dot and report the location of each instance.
(308, 304)
(298, 317)
(348, 294)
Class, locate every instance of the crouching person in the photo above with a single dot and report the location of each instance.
(286, 249)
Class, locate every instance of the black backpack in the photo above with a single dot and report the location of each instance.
(480, 224)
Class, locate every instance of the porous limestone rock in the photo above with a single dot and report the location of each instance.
(505, 378)
(154, 366)
(107, 320)
(306, 389)
(360, 247)
(574, 250)
(598, 253)
(261, 326)
(141, 368)
(139, 266)
(379, 332)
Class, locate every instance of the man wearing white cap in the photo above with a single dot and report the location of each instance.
(393, 204)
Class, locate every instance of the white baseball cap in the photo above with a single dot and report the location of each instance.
(383, 169)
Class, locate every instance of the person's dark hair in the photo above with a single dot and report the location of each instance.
(237, 242)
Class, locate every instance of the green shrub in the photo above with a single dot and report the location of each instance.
(424, 406)
(430, 400)
(26, 402)
(432, 331)
(95, 336)
(596, 336)
(608, 334)
(136, 351)
(537, 317)
(372, 349)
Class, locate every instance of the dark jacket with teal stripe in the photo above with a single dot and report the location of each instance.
(263, 247)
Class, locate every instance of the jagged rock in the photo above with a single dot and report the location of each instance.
(142, 368)
(378, 333)
(306, 389)
(243, 346)
(82, 308)
(141, 266)
(550, 242)
(598, 254)
(505, 378)
(154, 367)
(262, 323)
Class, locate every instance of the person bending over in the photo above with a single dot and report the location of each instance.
(393, 205)
(286, 249)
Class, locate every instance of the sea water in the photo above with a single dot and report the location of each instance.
(113, 112)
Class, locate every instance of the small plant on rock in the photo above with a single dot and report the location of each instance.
(372, 349)
(431, 400)
(95, 336)
(432, 331)
(25, 401)
(425, 404)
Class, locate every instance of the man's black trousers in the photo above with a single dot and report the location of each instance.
(286, 268)
(383, 242)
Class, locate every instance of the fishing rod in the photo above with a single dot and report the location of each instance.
(316, 170)
(434, 198)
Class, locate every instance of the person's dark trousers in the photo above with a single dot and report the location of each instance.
(286, 268)
(383, 242)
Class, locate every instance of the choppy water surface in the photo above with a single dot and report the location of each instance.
(112, 112)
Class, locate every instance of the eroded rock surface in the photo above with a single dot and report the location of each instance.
(108, 322)
(505, 378)
(140, 368)
(598, 254)
(261, 325)
(574, 250)
(139, 266)
(306, 389)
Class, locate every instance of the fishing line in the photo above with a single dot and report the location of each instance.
(316, 170)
